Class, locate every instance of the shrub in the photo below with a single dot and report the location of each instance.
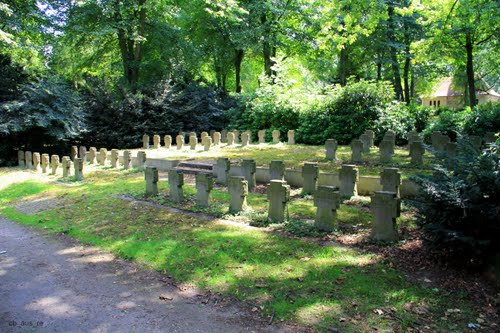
(484, 118)
(448, 122)
(396, 117)
(459, 208)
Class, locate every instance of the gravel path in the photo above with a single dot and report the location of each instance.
(53, 284)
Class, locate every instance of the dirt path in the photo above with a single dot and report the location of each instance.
(53, 284)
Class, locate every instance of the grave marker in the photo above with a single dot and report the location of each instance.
(348, 177)
(204, 185)
(277, 170)
(176, 180)
(238, 191)
(151, 177)
(326, 200)
(278, 193)
(331, 149)
(386, 208)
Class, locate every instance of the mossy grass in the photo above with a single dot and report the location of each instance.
(327, 287)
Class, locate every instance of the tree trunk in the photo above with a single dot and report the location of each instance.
(406, 75)
(268, 50)
(343, 66)
(470, 70)
(237, 68)
(394, 55)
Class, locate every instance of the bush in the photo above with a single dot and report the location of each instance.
(459, 208)
(396, 117)
(421, 115)
(448, 122)
(484, 118)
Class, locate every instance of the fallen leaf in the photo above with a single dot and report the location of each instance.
(164, 297)
(378, 311)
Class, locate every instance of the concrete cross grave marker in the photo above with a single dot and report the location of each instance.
(127, 159)
(179, 140)
(291, 137)
(331, 149)
(74, 152)
(92, 155)
(167, 141)
(82, 153)
(151, 177)
(156, 141)
(204, 185)
(326, 200)
(28, 159)
(365, 139)
(248, 168)
(176, 181)
(262, 136)
(54, 163)
(145, 141)
(385, 207)
(348, 177)
(276, 136)
(78, 166)
(45, 162)
(222, 170)
(103, 156)
(390, 179)
(417, 151)
(310, 174)
(356, 151)
(278, 194)
(114, 158)
(36, 161)
(238, 191)
(385, 149)
(277, 170)
(21, 158)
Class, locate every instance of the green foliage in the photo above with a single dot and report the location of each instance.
(485, 117)
(449, 122)
(459, 207)
(396, 117)
(421, 114)
(302, 228)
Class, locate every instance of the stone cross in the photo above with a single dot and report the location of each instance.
(244, 139)
(451, 149)
(127, 159)
(230, 138)
(156, 141)
(277, 170)
(45, 162)
(475, 141)
(385, 207)
(356, 151)
(365, 139)
(20, 158)
(114, 158)
(207, 143)
(204, 185)
(291, 137)
(417, 151)
(276, 136)
(176, 180)
(203, 135)
(145, 141)
(74, 152)
(248, 168)
(331, 149)
(151, 177)
(412, 136)
(54, 163)
(434, 139)
(193, 134)
(442, 141)
(326, 200)
(489, 137)
(103, 155)
(385, 148)
(391, 136)
(348, 177)
(217, 138)
(167, 141)
(223, 136)
(236, 136)
(278, 194)
(93, 155)
(28, 159)
(371, 137)
(222, 170)
(212, 134)
(390, 179)
(238, 191)
(82, 152)
(262, 136)
(36, 161)
(179, 140)
(310, 174)
(141, 159)
(249, 133)
(67, 166)
(193, 141)
(78, 163)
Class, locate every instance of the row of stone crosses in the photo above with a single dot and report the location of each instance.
(385, 204)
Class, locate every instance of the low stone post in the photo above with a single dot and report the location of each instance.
(262, 136)
(223, 136)
(207, 143)
(21, 158)
(244, 139)
(390, 179)
(179, 140)
(348, 177)
(310, 174)
(74, 152)
(28, 159)
(236, 136)
(238, 191)
(217, 137)
(277, 170)
(291, 137)
(390, 136)
(385, 207)
(451, 149)
(78, 165)
(278, 194)
(176, 180)
(222, 170)
(385, 149)
(141, 159)
(476, 141)
(45, 162)
(127, 159)
(114, 158)
(204, 185)
(82, 152)
(327, 201)
(92, 155)
(365, 139)
(356, 151)
(230, 138)
(417, 151)
(36, 161)
(156, 141)
(371, 137)
(248, 168)
(54, 163)
(331, 149)
(151, 177)
(276, 136)
(145, 141)
(103, 155)
(167, 141)
(67, 166)
(193, 141)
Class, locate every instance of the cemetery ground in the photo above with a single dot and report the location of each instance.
(336, 282)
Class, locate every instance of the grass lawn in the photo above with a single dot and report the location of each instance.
(324, 287)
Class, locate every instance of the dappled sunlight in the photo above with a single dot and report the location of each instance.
(53, 306)
(317, 312)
